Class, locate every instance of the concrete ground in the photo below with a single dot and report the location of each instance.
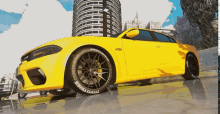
(154, 80)
(170, 97)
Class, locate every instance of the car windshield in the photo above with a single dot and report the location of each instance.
(116, 35)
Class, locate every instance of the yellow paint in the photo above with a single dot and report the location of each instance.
(137, 60)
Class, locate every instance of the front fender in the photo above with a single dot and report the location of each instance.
(117, 56)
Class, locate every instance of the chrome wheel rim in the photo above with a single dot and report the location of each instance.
(92, 70)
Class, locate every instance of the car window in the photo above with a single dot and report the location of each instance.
(161, 37)
(171, 39)
(143, 35)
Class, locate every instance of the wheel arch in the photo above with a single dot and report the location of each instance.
(193, 55)
(101, 49)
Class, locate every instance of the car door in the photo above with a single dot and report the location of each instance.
(141, 55)
(171, 61)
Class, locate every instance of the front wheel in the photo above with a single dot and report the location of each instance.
(90, 71)
(191, 68)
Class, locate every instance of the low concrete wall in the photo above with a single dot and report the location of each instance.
(209, 59)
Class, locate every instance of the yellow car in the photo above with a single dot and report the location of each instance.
(89, 64)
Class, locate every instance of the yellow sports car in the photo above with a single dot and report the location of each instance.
(89, 64)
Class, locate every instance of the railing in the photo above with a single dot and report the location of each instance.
(8, 85)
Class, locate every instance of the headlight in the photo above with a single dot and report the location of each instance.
(43, 51)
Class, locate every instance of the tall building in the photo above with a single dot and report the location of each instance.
(154, 25)
(88, 17)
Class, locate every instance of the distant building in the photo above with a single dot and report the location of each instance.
(123, 26)
(167, 33)
(133, 24)
(88, 17)
(154, 25)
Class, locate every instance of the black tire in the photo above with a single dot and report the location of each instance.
(84, 69)
(145, 81)
(22, 95)
(191, 68)
(63, 91)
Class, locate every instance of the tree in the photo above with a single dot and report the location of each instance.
(187, 34)
(202, 13)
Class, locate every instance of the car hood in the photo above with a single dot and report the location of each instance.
(62, 42)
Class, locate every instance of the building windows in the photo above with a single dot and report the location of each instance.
(86, 28)
(88, 13)
(88, 16)
(97, 8)
(87, 8)
(90, 22)
(97, 26)
(89, 32)
(97, 16)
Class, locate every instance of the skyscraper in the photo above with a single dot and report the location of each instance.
(88, 17)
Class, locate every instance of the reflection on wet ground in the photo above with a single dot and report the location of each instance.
(192, 96)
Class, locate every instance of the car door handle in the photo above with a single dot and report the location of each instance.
(157, 46)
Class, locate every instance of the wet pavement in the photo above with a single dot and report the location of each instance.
(180, 97)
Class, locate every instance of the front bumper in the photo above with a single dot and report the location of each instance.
(43, 73)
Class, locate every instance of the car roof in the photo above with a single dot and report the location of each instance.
(152, 31)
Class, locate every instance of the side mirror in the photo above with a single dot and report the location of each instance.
(132, 33)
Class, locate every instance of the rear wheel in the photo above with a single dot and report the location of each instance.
(191, 68)
(62, 91)
(90, 71)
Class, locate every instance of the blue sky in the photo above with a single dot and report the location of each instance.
(26, 24)
(176, 12)
(9, 18)
(6, 19)
(67, 4)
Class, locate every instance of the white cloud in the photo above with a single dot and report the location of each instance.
(16, 6)
(174, 7)
(47, 20)
(43, 21)
(167, 20)
(169, 27)
(148, 10)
